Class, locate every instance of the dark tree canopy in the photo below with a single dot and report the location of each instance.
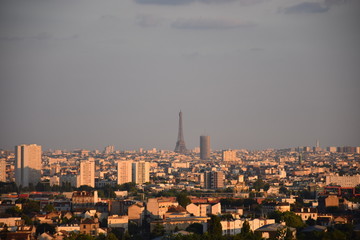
(183, 199)
(214, 226)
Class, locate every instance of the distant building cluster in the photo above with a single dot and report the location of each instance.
(160, 192)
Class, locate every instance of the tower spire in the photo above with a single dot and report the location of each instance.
(180, 144)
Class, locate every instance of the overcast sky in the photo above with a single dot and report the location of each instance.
(249, 73)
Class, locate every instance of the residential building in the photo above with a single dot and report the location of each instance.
(27, 164)
(83, 200)
(159, 206)
(214, 180)
(307, 213)
(87, 173)
(89, 226)
(3, 170)
(116, 221)
(124, 172)
(274, 230)
(343, 181)
(229, 155)
(204, 209)
(136, 213)
(109, 149)
(140, 172)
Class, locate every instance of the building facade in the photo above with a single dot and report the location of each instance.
(140, 172)
(214, 180)
(3, 170)
(229, 155)
(205, 147)
(27, 164)
(87, 173)
(124, 174)
(343, 181)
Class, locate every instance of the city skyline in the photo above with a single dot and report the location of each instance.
(250, 74)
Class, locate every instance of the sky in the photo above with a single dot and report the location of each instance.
(250, 74)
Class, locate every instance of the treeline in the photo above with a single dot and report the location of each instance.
(107, 191)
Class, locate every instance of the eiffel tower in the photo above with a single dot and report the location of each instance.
(180, 144)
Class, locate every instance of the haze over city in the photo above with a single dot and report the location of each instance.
(249, 73)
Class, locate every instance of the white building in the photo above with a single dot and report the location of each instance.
(343, 181)
(109, 149)
(116, 221)
(229, 155)
(232, 227)
(140, 172)
(87, 173)
(203, 209)
(68, 228)
(10, 221)
(124, 174)
(27, 164)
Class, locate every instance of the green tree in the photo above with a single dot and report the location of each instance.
(31, 207)
(133, 228)
(109, 191)
(288, 235)
(13, 211)
(43, 187)
(48, 208)
(214, 227)
(101, 237)
(245, 230)
(78, 236)
(293, 220)
(85, 188)
(260, 184)
(27, 220)
(283, 190)
(277, 215)
(195, 228)
(183, 199)
(310, 222)
(111, 236)
(44, 227)
(159, 230)
(130, 187)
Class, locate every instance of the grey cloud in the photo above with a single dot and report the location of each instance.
(12, 39)
(148, 21)
(306, 7)
(242, 2)
(336, 2)
(204, 24)
(42, 36)
(192, 55)
(257, 49)
(216, 1)
(39, 36)
(182, 2)
(164, 2)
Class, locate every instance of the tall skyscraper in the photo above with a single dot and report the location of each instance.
(140, 172)
(180, 144)
(2, 170)
(124, 173)
(204, 147)
(87, 173)
(109, 149)
(317, 147)
(27, 164)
